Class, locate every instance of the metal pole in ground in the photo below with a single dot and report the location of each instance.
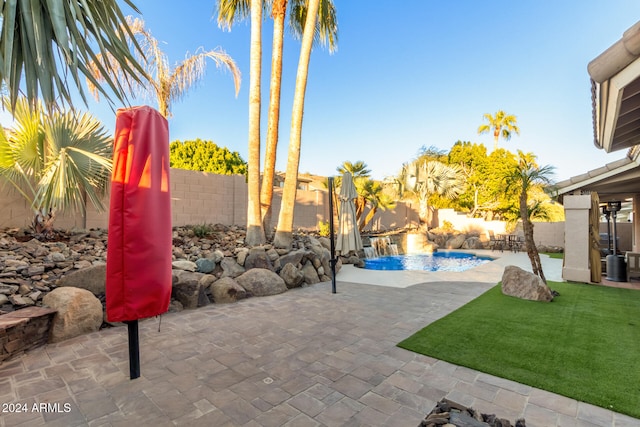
(332, 261)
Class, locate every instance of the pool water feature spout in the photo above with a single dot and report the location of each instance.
(380, 246)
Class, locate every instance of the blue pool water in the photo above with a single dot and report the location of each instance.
(437, 261)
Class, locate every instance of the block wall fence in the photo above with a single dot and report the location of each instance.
(205, 198)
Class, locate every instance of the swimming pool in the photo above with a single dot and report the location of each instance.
(437, 261)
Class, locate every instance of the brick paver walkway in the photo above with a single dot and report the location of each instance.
(303, 358)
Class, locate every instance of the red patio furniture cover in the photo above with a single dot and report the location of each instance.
(138, 281)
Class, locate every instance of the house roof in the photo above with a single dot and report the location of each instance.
(615, 96)
(615, 90)
(613, 181)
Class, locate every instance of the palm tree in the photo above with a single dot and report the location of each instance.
(502, 124)
(425, 178)
(373, 193)
(255, 230)
(158, 80)
(525, 177)
(56, 161)
(48, 41)
(284, 231)
(232, 10)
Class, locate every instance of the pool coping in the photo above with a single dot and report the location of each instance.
(490, 272)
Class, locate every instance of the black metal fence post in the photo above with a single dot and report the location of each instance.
(332, 261)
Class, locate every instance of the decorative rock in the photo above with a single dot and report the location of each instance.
(3, 299)
(519, 283)
(20, 300)
(227, 290)
(205, 265)
(78, 312)
(184, 265)
(273, 254)
(230, 268)
(472, 243)
(189, 290)
(258, 258)
(293, 257)
(242, 255)
(456, 241)
(92, 279)
(291, 275)
(57, 257)
(261, 282)
(310, 274)
(216, 256)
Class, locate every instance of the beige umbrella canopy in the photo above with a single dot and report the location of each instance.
(348, 237)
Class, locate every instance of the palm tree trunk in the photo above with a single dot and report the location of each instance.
(255, 232)
(284, 232)
(278, 12)
(532, 250)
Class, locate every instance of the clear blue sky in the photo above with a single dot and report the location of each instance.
(408, 74)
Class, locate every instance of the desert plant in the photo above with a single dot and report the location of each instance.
(56, 161)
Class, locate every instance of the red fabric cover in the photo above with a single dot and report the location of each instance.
(139, 238)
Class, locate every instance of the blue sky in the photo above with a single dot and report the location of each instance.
(408, 74)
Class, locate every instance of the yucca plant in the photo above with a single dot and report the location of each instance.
(56, 161)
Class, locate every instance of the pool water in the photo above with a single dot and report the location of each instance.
(437, 261)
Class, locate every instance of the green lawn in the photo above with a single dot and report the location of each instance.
(584, 345)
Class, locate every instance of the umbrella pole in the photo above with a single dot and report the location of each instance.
(134, 349)
(332, 261)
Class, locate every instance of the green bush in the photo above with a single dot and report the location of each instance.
(202, 230)
(323, 228)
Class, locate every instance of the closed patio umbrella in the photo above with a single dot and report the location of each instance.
(348, 237)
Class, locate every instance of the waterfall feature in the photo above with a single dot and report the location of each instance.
(380, 246)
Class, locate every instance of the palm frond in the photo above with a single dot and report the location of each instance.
(48, 45)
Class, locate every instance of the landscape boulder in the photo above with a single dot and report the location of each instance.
(456, 242)
(258, 258)
(291, 275)
(78, 312)
(190, 289)
(261, 282)
(519, 283)
(230, 268)
(91, 278)
(226, 290)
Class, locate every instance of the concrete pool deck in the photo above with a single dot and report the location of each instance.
(487, 273)
(306, 357)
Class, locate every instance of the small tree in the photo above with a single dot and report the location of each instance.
(56, 162)
(205, 156)
(525, 177)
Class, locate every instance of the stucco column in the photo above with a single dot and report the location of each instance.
(576, 239)
(635, 242)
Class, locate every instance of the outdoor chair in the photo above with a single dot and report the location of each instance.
(633, 264)
(496, 242)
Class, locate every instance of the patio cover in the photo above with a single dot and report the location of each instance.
(139, 240)
(348, 237)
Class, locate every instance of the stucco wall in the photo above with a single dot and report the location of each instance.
(197, 198)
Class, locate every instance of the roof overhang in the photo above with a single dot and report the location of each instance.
(615, 79)
(615, 181)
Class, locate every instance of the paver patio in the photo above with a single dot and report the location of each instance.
(304, 358)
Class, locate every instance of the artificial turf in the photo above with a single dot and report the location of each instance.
(584, 345)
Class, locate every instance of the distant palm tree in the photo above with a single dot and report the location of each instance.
(55, 161)
(158, 80)
(425, 178)
(373, 193)
(524, 178)
(357, 169)
(45, 44)
(502, 124)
